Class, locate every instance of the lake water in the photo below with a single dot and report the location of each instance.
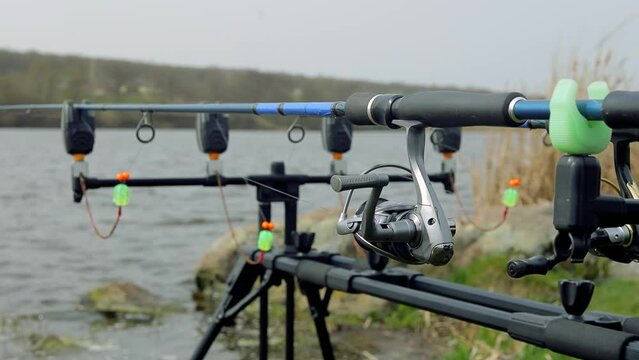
(50, 258)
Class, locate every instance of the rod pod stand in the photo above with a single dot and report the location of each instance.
(238, 292)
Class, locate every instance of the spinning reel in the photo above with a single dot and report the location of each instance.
(410, 233)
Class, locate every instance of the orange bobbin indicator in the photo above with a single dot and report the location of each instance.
(267, 225)
(78, 157)
(214, 156)
(514, 182)
(122, 176)
(448, 155)
(337, 156)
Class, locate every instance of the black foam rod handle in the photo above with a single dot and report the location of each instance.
(620, 109)
(586, 341)
(370, 109)
(349, 182)
(457, 108)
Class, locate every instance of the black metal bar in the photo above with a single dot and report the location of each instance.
(211, 334)
(466, 293)
(95, 183)
(263, 325)
(290, 226)
(237, 296)
(319, 313)
(458, 309)
(478, 314)
(264, 214)
(290, 318)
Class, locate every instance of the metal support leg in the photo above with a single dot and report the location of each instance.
(319, 312)
(290, 226)
(264, 325)
(238, 295)
(290, 318)
(264, 214)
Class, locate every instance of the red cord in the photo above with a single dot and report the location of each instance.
(260, 258)
(97, 231)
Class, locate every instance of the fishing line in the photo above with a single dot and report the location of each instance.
(121, 192)
(229, 224)
(612, 184)
(135, 157)
(97, 231)
(468, 219)
(464, 213)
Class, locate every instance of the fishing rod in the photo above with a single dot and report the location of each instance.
(434, 108)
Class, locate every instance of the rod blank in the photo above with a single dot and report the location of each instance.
(522, 109)
(540, 109)
(286, 109)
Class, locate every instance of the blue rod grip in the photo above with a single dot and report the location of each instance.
(300, 108)
(307, 109)
(267, 108)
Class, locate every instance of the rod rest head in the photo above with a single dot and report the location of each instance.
(576, 295)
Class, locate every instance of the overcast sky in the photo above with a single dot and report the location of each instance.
(498, 44)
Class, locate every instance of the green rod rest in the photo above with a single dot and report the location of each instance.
(570, 132)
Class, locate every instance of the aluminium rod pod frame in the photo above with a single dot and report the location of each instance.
(570, 331)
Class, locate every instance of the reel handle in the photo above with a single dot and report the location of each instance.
(349, 182)
(518, 268)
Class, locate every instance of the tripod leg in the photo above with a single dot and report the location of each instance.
(238, 287)
(290, 319)
(319, 313)
(264, 325)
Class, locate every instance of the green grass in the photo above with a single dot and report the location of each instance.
(488, 272)
(616, 295)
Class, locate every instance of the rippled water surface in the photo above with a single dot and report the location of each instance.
(49, 257)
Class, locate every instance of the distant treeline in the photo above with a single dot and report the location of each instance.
(40, 78)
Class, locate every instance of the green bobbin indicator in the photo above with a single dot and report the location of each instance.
(510, 197)
(265, 240)
(121, 195)
(570, 132)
